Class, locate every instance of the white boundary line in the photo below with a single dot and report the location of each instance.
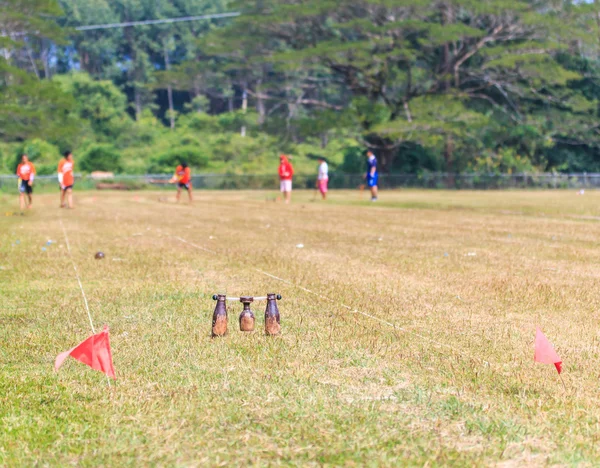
(377, 319)
(85, 301)
(355, 311)
(194, 245)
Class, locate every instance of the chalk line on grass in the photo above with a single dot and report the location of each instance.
(87, 307)
(373, 317)
(355, 311)
(194, 245)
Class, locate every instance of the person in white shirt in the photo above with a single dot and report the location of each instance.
(323, 177)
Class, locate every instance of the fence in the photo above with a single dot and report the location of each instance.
(337, 181)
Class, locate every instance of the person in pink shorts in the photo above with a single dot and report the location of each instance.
(323, 177)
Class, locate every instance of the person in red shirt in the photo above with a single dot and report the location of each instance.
(66, 179)
(26, 173)
(286, 173)
(183, 179)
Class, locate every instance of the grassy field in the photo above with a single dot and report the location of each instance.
(432, 366)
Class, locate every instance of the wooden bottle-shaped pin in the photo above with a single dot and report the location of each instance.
(272, 320)
(247, 317)
(219, 323)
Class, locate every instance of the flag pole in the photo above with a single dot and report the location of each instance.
(563, 382)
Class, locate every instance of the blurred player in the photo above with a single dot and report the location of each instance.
(323, 177)
(286, 174)
(372, 176)
(183, 179)
(66, 179)
(26, 173)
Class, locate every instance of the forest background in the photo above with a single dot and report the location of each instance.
(494, 86)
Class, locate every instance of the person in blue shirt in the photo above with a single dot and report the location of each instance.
(372, 176)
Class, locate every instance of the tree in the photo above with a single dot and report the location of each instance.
(100, 103)
(29, 107)
(101, 158)
(448, 85)
(431, 72)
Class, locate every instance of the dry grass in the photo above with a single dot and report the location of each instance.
(338, 387)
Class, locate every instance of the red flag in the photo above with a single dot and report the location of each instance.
(544, 352)
(95, 352)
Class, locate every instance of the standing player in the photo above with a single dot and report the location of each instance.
(66, 179)
(183, 179)
(323, 177)
(286, 174)
(26, 173)
(372, 176)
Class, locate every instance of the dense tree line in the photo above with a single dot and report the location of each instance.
(449, 85)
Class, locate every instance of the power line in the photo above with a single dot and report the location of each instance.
(232, 14)
(159, 21)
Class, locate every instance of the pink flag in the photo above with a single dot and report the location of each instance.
(95, 352)
(544, 352)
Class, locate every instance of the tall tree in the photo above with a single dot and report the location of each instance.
(430, 72)
(29, 106)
